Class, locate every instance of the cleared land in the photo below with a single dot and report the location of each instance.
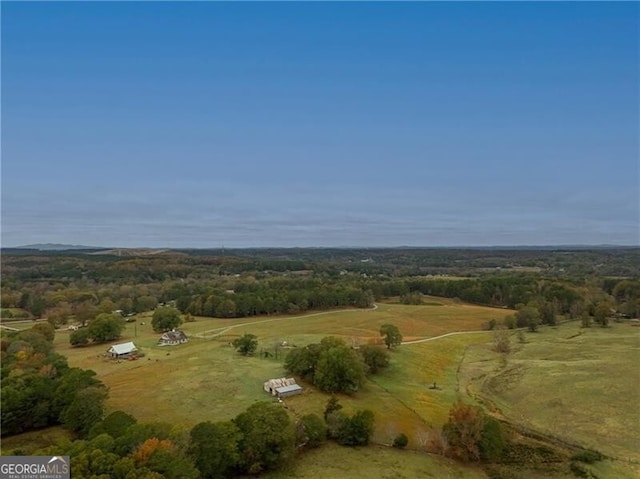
(335, 462)
(579, 385)
(206, 379)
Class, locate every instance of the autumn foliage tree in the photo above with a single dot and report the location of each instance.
(471, 435)
(463, 431)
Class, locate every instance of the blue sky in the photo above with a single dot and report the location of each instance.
(320, 124)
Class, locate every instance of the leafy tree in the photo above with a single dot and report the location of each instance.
(172, 464)
(303, 361)
(214, 448)
(391, 334)
(136, 434)
(36, 342)
(106, 306)
(165, 319)
(79, 337)
(463, 431)
(72, 381)
(374, 357)
(333, 405)
(246, 344)
(411, 298)
(144, 303)
(106, 327)
(340, 369)
(267, 437)
(226, 309)
(528, 316)
(601, 313)
(357, 430)
(85, 410)
(311, 431)
(84, 312)
(115, 424)
(46, 330)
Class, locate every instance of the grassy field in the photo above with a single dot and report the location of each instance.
(336, 462)
(580, 385)
(29, 442)
(206, 379)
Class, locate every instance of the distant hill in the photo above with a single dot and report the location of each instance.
(56, 247)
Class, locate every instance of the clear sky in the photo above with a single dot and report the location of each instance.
(320, 124)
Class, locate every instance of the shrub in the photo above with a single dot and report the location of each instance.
(357, 429)
(401, 441)
(492, 440)
(579, 470)
(587, 456)
(312, 431)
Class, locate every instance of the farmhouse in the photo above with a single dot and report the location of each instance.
(282, 387)
(173, 337)
(122, 350)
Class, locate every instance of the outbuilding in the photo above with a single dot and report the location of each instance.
(282, 387)
(286, 391)
(122, 350)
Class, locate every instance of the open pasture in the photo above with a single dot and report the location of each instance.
(438, 317)
(580, 385)
(335, 462)
(206, 379)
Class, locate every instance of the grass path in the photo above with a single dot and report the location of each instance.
(225, 329)
(454, 333)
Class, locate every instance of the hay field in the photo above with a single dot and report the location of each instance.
(206, 380)
(581, 385)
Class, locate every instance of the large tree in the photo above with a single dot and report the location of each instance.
(374, 357)
(268, 437)
(165, 319)
(391, 334)
(340, 369)
(214, 448)
(85, 410)
(106, 327)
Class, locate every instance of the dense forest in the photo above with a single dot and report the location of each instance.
(78, 285)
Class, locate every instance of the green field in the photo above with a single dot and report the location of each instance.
(335, 462)
(206, 379)
(579, 385)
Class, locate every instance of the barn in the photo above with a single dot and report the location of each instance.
(122, 350)
(282, 387)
